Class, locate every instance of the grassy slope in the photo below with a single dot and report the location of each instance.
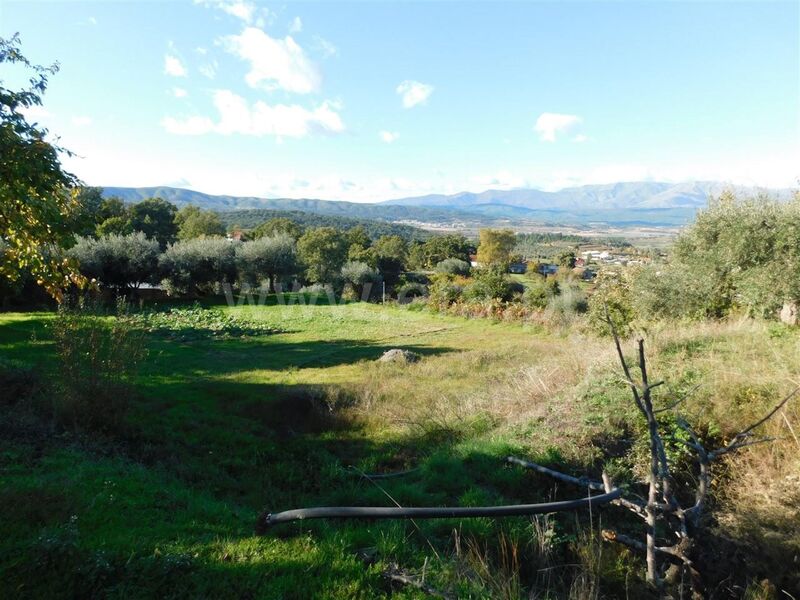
(224, 428)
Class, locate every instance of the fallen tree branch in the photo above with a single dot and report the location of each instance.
(632, 505)
(579, 481)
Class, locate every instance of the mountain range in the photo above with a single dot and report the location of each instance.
(624, 203)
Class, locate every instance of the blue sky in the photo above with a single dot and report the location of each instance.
(375, 100)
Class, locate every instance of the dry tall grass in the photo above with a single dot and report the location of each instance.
(567, 390)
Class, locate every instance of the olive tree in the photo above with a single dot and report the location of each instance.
(201, 265)
(359, 274)
(267, 258)
(119, 261)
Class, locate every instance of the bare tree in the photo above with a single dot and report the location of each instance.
(669, 563)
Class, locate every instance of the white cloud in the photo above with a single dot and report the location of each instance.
(179, 92)
(389, 136)
(173, 66)
(260, 119)
(414, 92)
(81, 121)
(241, 9)
(274, 63)
(209, 71)
(201, 51)
(549, 125)
(296, 26)
(92, 21)
(324, 47)
(580, 138)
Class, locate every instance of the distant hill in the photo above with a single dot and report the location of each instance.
(627, 196)
(638, 203)
(181, 197)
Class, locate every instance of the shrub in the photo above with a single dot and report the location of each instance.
(98, 355)
(443, 291)
(199, 266)
(19, 383)
(562, 308)
(454, 266)
(613, 297)
(538, 294)
(489, 284)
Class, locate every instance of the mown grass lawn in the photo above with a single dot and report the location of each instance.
(221, 429)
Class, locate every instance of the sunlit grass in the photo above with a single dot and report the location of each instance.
(223, 428)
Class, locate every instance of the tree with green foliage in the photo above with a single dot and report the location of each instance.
(495, 246)
(270, 258)
(739, 254)
(110, 208)
(201, 265)
(85, 219)
(278, 225)
(112, 218)
(114, 226)
(391, 256)
(194, 222)
(156, 219)
(428, 254)
(323, 251)
(122, 262)
(359, 274)
(567, 259)
(360, 249)
(38, 199)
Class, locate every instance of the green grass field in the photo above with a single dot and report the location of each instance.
(221, 429)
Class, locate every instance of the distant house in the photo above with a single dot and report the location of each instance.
(236, 236)
(547, 269)
(580, 262)
(518, 267)
(473, 260)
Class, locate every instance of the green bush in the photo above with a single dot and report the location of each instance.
(612, 298)
(98, 355)
(443, 291)
(490, 284)
(739, 253)
(453, 266)
(539, 292)
(19, 383)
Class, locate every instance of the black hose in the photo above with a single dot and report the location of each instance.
(381, 512)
